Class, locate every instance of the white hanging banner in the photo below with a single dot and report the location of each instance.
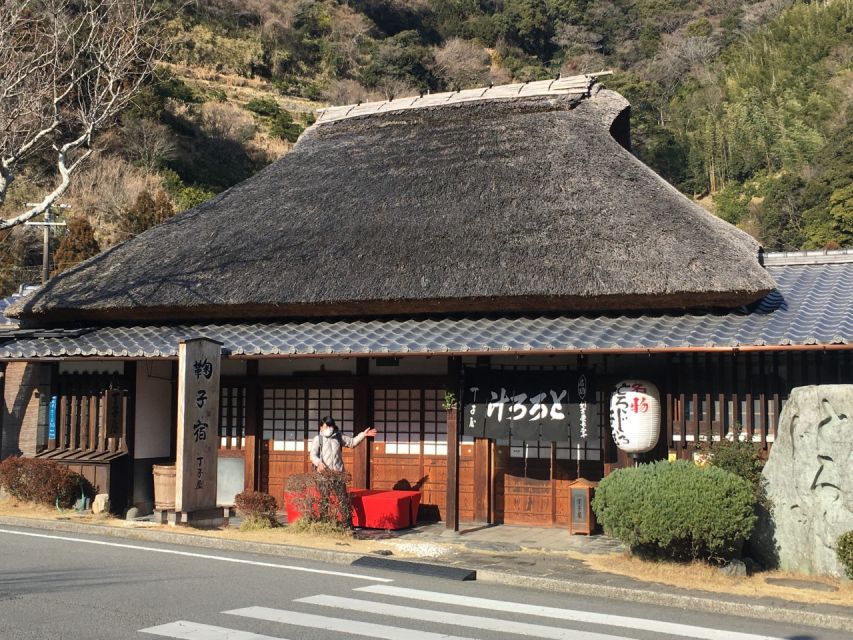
(198, 424)
(635, 415)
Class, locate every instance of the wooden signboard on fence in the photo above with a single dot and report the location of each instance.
(198, 424)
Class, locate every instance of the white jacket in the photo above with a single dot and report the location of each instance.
(328, 449)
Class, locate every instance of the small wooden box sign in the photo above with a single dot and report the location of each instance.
(582, 519)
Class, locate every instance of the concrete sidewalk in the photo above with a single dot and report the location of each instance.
(519, 556)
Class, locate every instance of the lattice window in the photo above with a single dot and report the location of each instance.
(435, 423)
(291, 416)
(232, 417)
(284, 419)
(411, 421)
(337, 403)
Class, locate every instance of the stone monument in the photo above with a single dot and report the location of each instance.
(809, 477)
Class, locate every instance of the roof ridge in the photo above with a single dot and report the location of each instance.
(817, 256)
(580, 85)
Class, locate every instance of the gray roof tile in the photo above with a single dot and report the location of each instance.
(813, 305)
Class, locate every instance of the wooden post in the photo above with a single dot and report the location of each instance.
(198, 429)
(482, 479)
(3, 405)
(361, 454)
(251, 450)
(452, 521)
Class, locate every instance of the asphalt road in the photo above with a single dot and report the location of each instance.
(67, 586)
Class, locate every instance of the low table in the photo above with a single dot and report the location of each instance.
(378, 509)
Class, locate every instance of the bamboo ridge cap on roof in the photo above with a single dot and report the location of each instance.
(577, 85)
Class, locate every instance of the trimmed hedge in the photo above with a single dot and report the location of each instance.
(321, 496)
(258, 508)
(43, 482)
(844, 551)
(676, 510)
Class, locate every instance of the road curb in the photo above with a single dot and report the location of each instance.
(783, 614)
(792, 615)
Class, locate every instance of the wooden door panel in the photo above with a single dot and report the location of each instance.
(434, 488)
(523, 492)
(276, 467)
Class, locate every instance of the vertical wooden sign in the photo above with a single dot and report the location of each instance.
(198, 424)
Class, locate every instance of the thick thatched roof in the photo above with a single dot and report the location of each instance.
(476, 205)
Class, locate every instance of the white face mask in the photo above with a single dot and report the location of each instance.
(326, 431)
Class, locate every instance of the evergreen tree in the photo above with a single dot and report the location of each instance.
(146, 212)
(76, 245)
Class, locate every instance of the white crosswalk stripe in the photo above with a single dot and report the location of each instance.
(350, 627)
(659, 626)
(185, 630)
(460, 620)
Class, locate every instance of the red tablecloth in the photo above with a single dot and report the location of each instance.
(377, 509)
(374, 508)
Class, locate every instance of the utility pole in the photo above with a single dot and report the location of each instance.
(48, 224)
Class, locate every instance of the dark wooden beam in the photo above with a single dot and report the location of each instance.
(252, 449)
(454, 366)
(2, 403)
(482, 479)
(361, 415)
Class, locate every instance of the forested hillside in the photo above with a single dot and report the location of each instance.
(744, 106)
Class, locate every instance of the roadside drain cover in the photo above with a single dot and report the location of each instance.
(800, 584)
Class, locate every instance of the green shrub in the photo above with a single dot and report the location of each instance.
(844, 551)
(284, 127)
(264, 107)
(676, 510)
(43, 482)
(742, 459)
(257, 508)
(321, 496)
(168, 85)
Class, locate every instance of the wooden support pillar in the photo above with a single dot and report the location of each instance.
(252, 449)
(482, 480)
(454, 374)
(361, 415)
(173, 435)
(3, 405)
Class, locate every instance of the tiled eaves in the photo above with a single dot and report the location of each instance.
(813, 306)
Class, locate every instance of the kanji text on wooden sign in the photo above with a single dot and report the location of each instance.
(525, 405)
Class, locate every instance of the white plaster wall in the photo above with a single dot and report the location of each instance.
(289, 366)
(233, 368)
(153, 409)
(91, 366)
(412, 366)
(571, 361)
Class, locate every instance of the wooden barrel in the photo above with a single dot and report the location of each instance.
(164, 486)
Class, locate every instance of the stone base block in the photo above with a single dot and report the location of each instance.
(213, 517)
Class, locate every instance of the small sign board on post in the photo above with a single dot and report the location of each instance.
(51, 419)
(198, 426)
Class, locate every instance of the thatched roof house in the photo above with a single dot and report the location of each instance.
(515, 198)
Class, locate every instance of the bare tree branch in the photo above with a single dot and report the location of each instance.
(67, 68)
